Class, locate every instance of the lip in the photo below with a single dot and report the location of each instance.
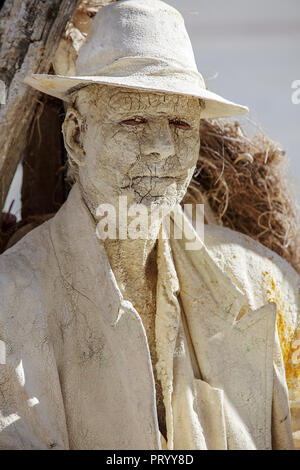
(158, 178)
(151, 181)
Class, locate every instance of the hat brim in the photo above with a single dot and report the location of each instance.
(62, 86)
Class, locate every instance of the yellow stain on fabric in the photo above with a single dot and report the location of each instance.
(285, 332)
(48, 85)
(293, 369)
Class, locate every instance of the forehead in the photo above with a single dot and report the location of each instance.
(118, 101)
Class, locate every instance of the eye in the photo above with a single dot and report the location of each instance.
(180, 124)
(134, 121)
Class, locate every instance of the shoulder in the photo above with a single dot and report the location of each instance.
(23, 260)
(260, 273)
(237, 252)
(24, 275)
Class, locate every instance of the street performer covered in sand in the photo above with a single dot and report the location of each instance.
(141, 343)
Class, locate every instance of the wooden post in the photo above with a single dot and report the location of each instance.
(30, 31)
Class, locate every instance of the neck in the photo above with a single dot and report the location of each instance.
(133, 262)
(134, 265)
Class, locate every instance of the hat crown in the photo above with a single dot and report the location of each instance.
(139, 29)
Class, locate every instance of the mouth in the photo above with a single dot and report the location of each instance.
(154, 180)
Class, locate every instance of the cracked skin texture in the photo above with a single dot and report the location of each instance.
(151, 161)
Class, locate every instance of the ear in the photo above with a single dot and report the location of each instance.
(73, 136)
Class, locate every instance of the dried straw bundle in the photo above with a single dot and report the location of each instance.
(244, 183)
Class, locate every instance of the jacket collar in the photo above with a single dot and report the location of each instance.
(82, 258)
(75, 238)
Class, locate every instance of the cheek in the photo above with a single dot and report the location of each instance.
(110, 149)
(187, 148)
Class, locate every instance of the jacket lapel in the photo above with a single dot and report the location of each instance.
(124, 381)
(233, 345)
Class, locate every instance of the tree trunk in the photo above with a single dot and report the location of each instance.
(29, 34)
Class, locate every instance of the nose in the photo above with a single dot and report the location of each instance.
(158, 141)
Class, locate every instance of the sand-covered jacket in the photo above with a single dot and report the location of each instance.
(75, 367)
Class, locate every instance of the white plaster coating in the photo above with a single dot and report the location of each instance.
(140, 344)
(87, 367)
(140, 44)
(150, 161)
(103, 340)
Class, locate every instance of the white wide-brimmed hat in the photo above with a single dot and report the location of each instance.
(141, 44)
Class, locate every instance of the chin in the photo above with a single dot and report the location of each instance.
(150, 198)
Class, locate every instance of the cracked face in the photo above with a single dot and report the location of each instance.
(136, 144)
